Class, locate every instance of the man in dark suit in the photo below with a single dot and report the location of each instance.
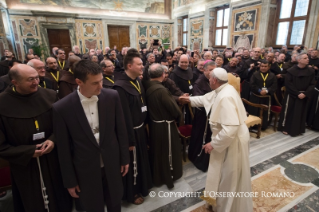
(92, 142)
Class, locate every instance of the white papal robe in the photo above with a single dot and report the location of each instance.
(229, 169)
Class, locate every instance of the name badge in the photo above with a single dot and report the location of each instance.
(281, 69)
(144, 109)
(264, 88)
(38, 136)
(190, 87)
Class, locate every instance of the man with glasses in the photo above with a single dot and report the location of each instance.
(38, 65)
(199, 69)
(27, 142)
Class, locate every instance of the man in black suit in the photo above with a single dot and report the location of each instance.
(92, 141)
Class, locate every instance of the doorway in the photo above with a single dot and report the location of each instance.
(119, 36)
(60, 38)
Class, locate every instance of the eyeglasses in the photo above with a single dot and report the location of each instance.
(31, 79)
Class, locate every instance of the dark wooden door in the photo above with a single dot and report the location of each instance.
(60, 38)
(119, 36)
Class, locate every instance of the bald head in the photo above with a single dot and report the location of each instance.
(52, 63)
(257, 53)
(183, 62)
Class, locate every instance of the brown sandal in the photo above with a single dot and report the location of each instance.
(138, 199)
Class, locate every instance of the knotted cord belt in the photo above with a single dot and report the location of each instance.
(43, 188)
(134, 156)
(169, 140)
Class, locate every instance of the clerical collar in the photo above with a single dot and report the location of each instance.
(217, 90)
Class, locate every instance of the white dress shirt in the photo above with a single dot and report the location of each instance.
(92, 114)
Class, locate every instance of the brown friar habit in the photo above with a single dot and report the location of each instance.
(257, 83)
(52, 75)
(66, 65)
(67, 84)
(163, 112)
(184, 80)
(201, 87)
(108, 81)
(17, 127)
(132, 105)
(45, 83)
(294, 110)
(245, 86)
(4, 82)
(196, 73)
(173, 89)
(239, 70)
(313, 110)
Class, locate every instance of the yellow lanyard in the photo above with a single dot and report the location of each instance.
(189, 82)
(280, 66)
(36, 125)
(112, 80)
(71, 71)
(13, 89)
(138, 89)
(57, 76)
(262, 57)
(264, 78)
(62, 63)
(45, 86)
(228, 59)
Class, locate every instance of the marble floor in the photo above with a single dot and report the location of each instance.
(278, 162)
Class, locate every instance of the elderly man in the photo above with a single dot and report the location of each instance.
(92, 52)
(208, 55)
(77, 51)
(184, 79)
(53, 72)
(67, 82)
(54, 52)
(112, 56)
(232, 67)
(150, 60)
(27, 142)
(108, 73)
(201, 134)
(229, 169)
(173, 89)
(100, 55)
(299, 82)
(199, 69)
(163, 111)
(39, 66)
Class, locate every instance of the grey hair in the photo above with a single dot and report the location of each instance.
(155, 70)
(299, 55)
(30, 64)
(74, 47)
(218, 80)
(209, 52)
(210, 63)
(147, 56)
(165, 67)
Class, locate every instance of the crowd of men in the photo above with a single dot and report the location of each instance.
(102, 127)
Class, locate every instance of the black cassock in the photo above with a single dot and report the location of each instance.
(184, 80)
(132, 106)
(313, 112)
(245, 86)
(257, 83)
(17, 126)
(294, 110)
(201, 87)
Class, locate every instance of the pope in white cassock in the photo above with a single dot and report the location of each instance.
(229, 169)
